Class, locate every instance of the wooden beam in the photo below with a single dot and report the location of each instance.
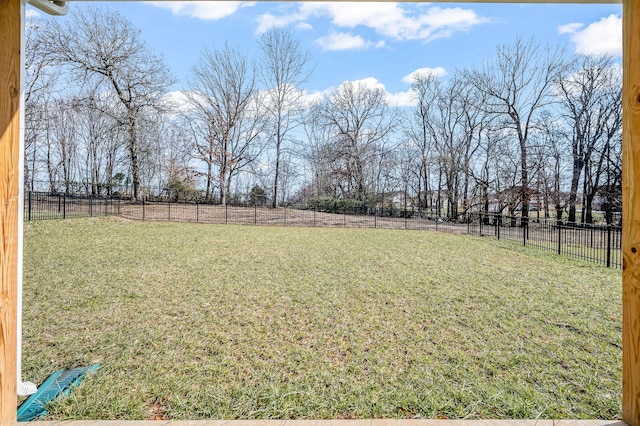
(10, 69)
(436, 1)
(631, 213)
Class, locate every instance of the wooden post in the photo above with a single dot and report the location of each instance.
(10, 69)
(631, 214)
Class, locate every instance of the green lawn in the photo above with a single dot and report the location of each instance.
(197, 321)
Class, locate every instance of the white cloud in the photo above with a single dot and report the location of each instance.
(436, 72)
(304, 26)
(398, 99)
(370, 82)
(206, 11)
(268, 21)
(569, 28)
(31, 13)
(313, 97)
(402, 99)
(603, 37)
(393, 20)
(32, 18)
(342, 41)
(178, 101)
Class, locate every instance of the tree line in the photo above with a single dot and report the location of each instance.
(529, 129)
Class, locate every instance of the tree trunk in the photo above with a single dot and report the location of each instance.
(133, 153)
(277, 175)
(587, 208)
(524, 179)
(223, 189)
(207, 194)
(439, 196)
(578, 164)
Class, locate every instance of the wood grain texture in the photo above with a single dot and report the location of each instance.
(452, 1)
(631, 214)
(9, 178)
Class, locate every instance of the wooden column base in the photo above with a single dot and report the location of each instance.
(10, 69)
(631, 214)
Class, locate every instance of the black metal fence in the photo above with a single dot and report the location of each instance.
(45, 205)
(594, 243)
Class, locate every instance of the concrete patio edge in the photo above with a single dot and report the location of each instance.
(365, 422)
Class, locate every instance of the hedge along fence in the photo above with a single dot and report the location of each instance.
(593, 243)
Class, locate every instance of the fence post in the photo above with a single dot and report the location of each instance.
(608, 245)
(498, 223)
(143, 212)
(315, 209)
(197, 212)
(90, 207)
(525, 230)
(285, 215)
(375, 217)
(30, 195)
(481, 219)
(226, 213)
(169, 211)
(559, 237)
(255, 214)
(405, 212)
(64, 205)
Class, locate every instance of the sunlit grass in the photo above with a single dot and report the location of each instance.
(201, 321)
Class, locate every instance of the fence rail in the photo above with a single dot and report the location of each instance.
(594, 243)
(45, 205)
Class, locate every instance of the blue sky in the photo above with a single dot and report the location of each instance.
(381, 42)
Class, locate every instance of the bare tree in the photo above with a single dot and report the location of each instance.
(201, 135)
(61, 128)
(316, 149)
(425, 87)
(552, 162)
(40, 80)
(225, 99)
(590, 96)
(449, 118)
(360, 121)
(486, 167)
(102, 44)
(99, 139)
(518, 83)
(166, 149)
(282, 71)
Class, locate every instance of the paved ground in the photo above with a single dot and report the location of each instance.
(375, 422)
